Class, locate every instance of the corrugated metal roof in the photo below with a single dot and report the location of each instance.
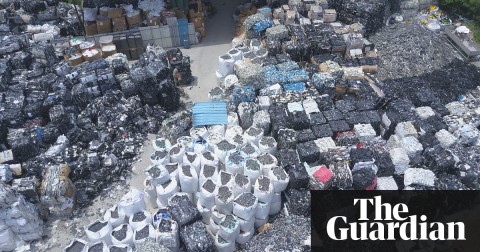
(209, 113)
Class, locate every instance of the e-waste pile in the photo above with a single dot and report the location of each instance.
(315, 102)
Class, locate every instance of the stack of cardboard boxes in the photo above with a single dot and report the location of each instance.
(115, 19)
(198, 18)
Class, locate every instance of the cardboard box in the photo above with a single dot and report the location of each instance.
(104, 25)
(134, 19)
(329, 15)
(154, 21)
(119, 24)
(115, 13)
(90, 28)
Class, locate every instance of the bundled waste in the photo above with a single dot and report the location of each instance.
(90, 119)
(19, 220)
(43, 20)
(370, 13)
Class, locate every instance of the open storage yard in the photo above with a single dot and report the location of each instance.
(203, 125)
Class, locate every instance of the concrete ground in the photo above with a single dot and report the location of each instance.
(204, 58)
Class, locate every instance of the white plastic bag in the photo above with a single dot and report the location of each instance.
(208, 158)
(176, 153)
(234, 163)
(223, 149)
(232, 118)
(224, 200)
(241, 185)
(173, 170)
(223, 245)
(208, 190)
(198, 133)
(96, 234)
(244, 237)
(260, 222)
(95, 244)
(136, 222)
(169, 239)
(213, 139)
(229, 82)
(263, 209)
(246, 224)
(253, 135)
(263, 189)
(160, 157)
(205, 212)
(194, 160)
(267, 162)
(268, 144)
(233, 130)
(229, 228)
(279, 178)
(250, 151)
(252, 169)
(238, 140)
(132, 202)
(225, 65)
(188, 179)
(137, 234)
(157, 174)
(128, 236)
(219, 129)
(245, 212)
(208, 172)
(165, 191)
(161, 144)
(114, 216)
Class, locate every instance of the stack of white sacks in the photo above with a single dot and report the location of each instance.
(19, 220)
(230, 176)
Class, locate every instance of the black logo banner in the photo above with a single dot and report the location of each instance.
(395, 221)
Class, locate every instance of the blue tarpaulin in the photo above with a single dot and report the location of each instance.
(209, 113)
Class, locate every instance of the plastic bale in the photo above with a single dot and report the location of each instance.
(342, 178)
(418, 176)
(321, 178)
(184, 212)
(364, 179)
(317, 119)
(308, 152)
(196, 238)
(288, 157)
(287, 138)
(438, 159)
(299, 202)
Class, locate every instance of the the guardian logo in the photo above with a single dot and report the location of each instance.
(391, 223)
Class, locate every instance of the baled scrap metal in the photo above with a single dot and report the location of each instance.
(252, 74)
(277, 33)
